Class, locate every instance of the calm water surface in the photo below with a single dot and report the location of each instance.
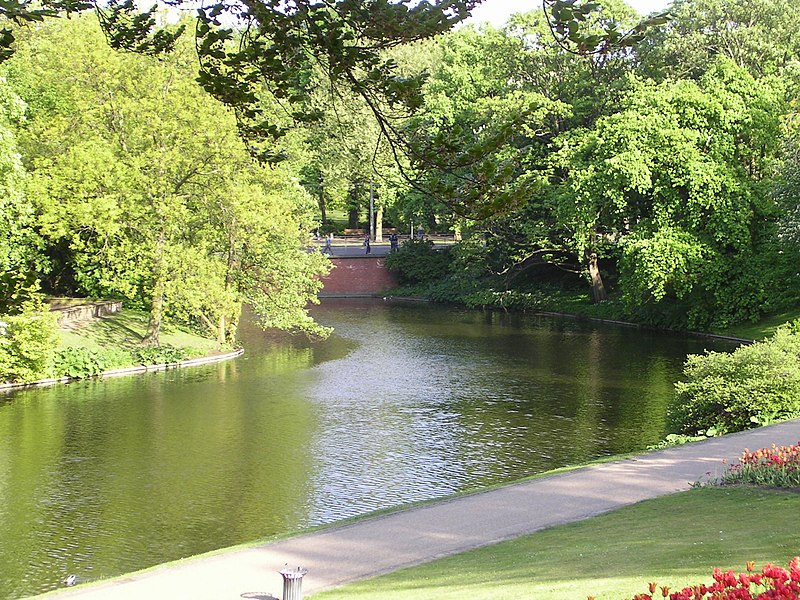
(403, 403)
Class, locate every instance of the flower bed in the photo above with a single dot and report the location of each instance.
(772, 583)
(778, 466)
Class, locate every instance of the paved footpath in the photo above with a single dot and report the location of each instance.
(378, 545)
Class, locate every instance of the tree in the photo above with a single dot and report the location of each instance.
(758, 35)
(280, 47)
(141, 179)
(477, 144)
(273, 46)
(19, 243)
(674, 182)
(495, 103)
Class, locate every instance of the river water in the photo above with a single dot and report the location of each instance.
(406, 402)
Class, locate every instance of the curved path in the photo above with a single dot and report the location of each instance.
(373, 546)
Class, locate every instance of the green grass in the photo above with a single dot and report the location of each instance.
(125, 330)
(764, 328)
(675, 540)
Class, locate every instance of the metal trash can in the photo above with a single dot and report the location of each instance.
(293, 582)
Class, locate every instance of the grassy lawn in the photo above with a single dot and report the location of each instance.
(676, 540)
(125, 330)
(764, 328)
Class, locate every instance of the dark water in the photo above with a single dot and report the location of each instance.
(404, 403)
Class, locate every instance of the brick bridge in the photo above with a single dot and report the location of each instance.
(363, 275)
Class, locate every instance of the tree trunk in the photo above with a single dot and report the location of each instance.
(598, 289)
(221, 332)
(379, 223)
(151, 338)
(322, 208)
(352, 217)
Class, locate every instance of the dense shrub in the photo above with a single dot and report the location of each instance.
(732, 392)
(84, 362)
(418, 261)
(27, 343)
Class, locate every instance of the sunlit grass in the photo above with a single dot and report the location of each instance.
(764, 328)
(675, 540)
(125, 330)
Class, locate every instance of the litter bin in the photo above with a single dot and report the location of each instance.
(293, 583)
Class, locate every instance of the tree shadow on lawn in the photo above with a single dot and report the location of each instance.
(123, 331)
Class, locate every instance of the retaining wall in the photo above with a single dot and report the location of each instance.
(357, 276)
(81, 312)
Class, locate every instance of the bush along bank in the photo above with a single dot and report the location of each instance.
(30, 351)
(755, 385)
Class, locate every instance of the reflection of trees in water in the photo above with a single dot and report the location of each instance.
(401, 403)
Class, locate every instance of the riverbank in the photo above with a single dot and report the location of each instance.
(579, 306)
(92, 334)
(222, 417)
(383, 544)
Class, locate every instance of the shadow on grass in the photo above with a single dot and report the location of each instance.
(123, 330)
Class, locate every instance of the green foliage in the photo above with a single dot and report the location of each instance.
(159, 355)
(27, 343)
(283, 39)
(674, 182)
(152, 197)
(80, 363)
(737, 391)
(479, 142)
(418, 261)
(759, 35)
(19, 241)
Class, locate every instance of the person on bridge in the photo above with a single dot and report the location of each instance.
(366, 243)
(393, 242)
(328, 242)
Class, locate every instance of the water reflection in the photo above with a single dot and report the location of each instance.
(403, 403)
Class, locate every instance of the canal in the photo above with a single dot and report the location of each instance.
(405, 402)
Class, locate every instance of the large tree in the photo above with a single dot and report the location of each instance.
(675, 185)
(758, 35)
(142, 184)
(19, 243)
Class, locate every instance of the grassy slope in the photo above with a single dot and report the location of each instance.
(764, 328)
(675, 540)
(124, 330)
